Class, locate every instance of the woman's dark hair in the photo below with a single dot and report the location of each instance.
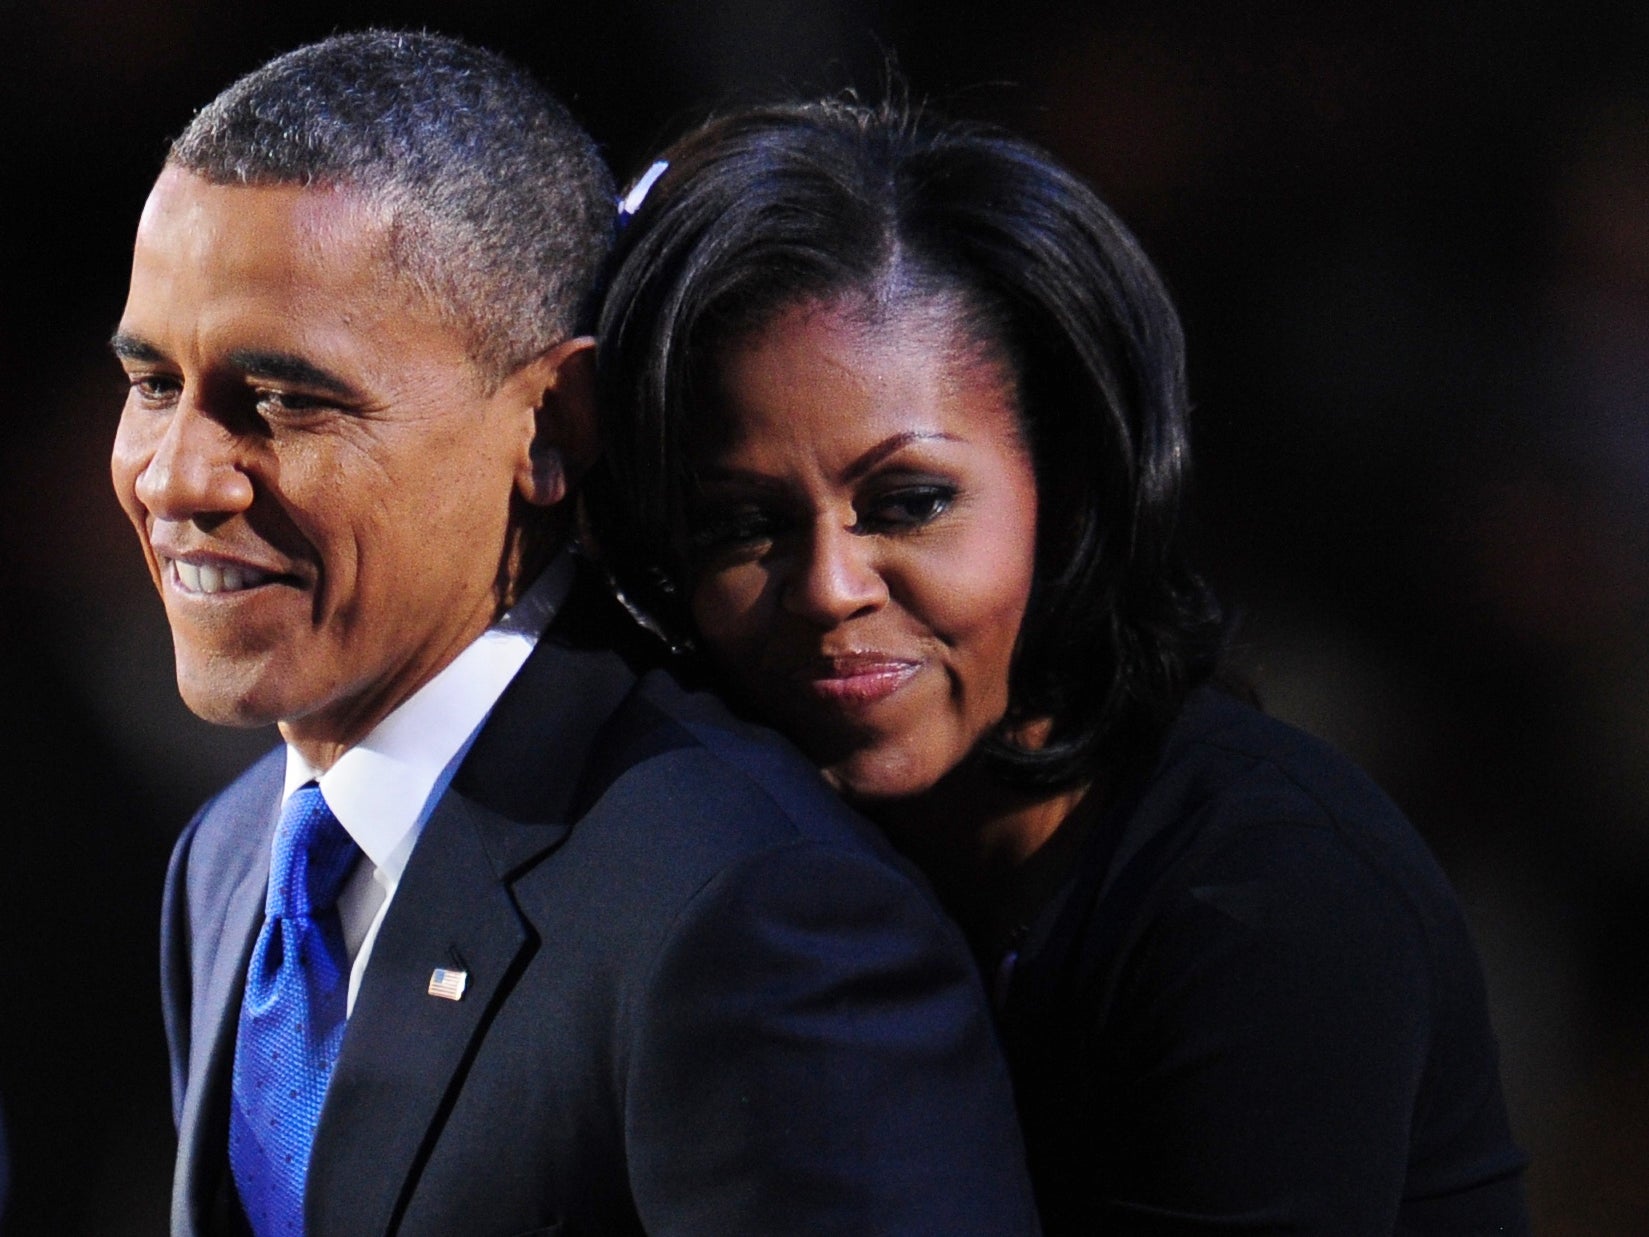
(763, 209)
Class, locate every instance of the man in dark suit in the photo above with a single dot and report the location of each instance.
(513, 934)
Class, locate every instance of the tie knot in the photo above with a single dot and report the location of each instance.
(313, 855)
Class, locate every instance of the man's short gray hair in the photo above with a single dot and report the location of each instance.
(500, 207)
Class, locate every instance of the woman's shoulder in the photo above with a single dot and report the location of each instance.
(1250, 834)
(1226, 754)
(1265, 980)
(1235, 790)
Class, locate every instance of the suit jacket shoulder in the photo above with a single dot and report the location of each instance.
(212, 907)
(701, 996)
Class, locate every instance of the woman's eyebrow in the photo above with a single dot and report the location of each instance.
(861, 464)
(892, 445)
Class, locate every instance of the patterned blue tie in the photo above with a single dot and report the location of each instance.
(292, 1019)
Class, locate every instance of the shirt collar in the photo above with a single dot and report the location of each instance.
(383, 789)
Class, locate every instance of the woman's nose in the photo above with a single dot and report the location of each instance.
(837, 577)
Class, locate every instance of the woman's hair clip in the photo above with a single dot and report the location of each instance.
(630, 203)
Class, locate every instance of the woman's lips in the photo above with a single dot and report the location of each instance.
(856, 681)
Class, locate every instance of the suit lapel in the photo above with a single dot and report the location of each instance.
(228, 877)
(406, 1052)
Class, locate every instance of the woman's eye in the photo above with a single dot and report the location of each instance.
(909, 507)
(732, 529)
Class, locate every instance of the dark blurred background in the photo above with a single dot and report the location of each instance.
(1411, 245)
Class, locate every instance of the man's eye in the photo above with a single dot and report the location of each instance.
(155, 390)
(908, 507)
(286, 403)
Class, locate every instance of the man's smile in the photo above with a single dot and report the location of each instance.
(213, 577)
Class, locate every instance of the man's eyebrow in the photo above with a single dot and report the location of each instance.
(288, 368)
(253, 362)
(130, 348)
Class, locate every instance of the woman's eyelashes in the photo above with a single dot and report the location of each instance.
(719, 529)
(905, 507)
(748, 528)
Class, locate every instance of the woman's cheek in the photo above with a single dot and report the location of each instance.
(724, 609)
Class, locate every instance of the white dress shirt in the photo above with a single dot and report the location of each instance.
(383, 789)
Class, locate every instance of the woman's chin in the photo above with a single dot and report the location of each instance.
(869, 778)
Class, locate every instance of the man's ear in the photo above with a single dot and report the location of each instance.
(564, 440)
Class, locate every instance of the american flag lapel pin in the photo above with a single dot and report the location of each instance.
(446, 984)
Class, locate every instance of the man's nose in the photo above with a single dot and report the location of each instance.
(837, 577)
(193, 470)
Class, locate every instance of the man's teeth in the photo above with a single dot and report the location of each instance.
(207, 578)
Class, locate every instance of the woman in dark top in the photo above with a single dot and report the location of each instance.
(895, 429)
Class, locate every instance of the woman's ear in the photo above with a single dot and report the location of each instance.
(564, 439)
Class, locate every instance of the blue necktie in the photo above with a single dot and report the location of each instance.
(292, 1018)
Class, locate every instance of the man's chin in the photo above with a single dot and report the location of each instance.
(222, 703)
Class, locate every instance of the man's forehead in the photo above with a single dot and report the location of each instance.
(283, 242)
(288, 249)
(185, 203)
